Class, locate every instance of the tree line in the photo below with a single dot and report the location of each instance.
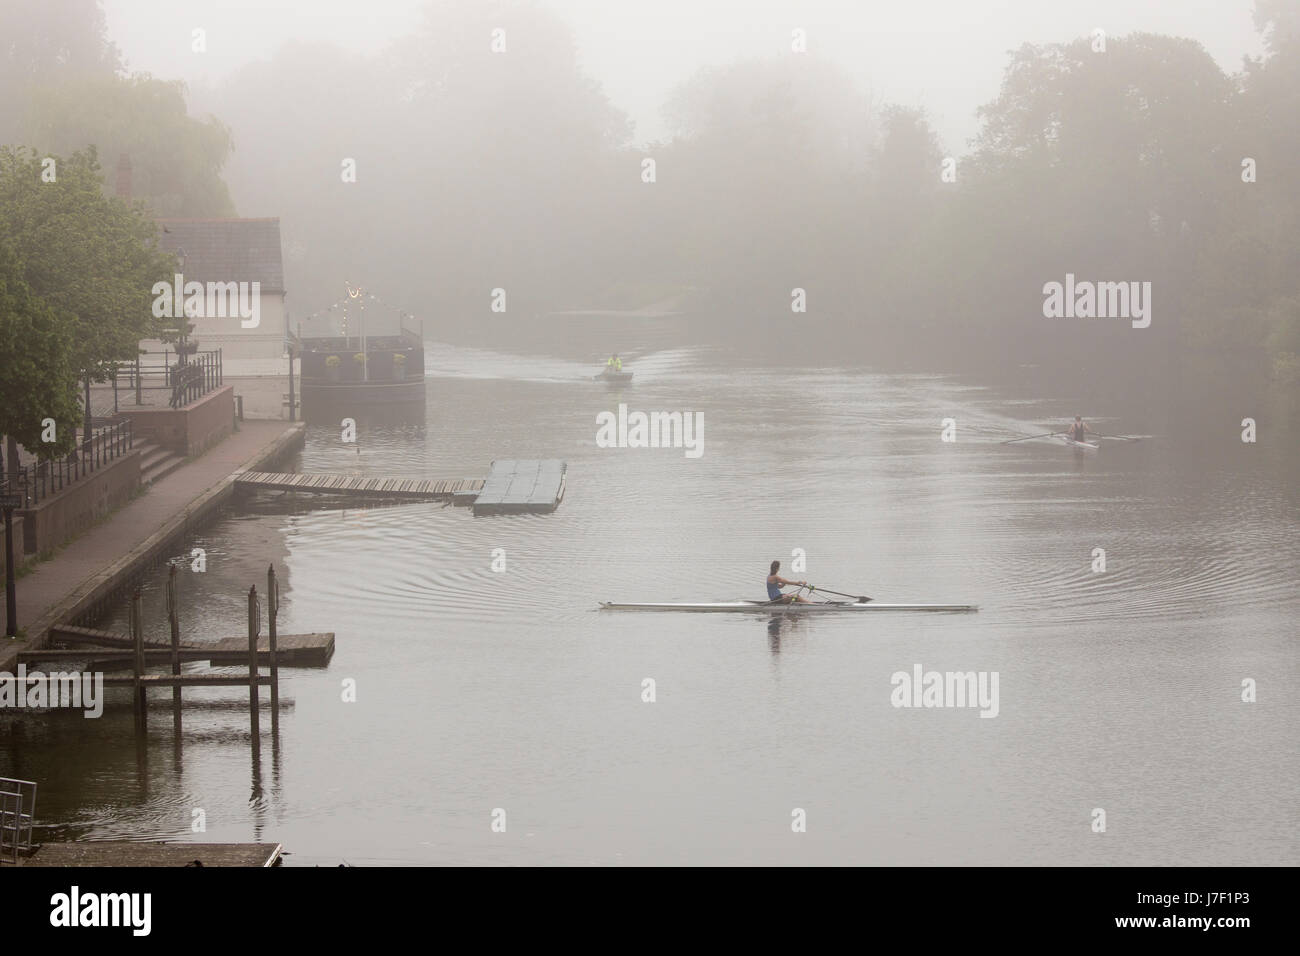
(1143, 160)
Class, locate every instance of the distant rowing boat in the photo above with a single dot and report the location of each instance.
(769, 607)
(612, 377)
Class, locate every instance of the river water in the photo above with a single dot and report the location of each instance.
(476, 689)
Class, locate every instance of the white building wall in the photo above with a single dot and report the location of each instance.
(264, 342)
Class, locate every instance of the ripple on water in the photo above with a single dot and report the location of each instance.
(478, 683)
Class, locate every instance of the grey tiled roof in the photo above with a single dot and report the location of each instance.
(227, 250)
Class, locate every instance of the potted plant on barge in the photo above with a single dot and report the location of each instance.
(332, 363)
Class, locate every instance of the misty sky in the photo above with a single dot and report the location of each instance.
(944, 55)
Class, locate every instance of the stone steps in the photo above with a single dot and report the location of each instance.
(156, 462)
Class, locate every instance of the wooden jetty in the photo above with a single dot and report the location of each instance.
(522, 486)
(175, 680)
(132, 653)
(18, 797)
(513, 486)
(297, 650)
(363, 485)
(126, 853)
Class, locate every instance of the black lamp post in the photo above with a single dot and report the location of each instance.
(183, 328)
(8, 503)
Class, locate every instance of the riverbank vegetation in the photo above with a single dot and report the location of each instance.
(1141, 160)
(76, 272)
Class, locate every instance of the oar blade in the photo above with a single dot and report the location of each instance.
(1012, 441)
(858, 598)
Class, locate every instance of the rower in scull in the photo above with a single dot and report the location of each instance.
(1079, 430)
(774, 584)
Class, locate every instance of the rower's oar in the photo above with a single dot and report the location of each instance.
(861, 599)
(1031, 437)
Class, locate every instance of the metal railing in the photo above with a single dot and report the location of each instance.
(45, 478)
(17, 818)
(185, 377)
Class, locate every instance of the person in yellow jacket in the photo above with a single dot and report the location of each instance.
(615, 364)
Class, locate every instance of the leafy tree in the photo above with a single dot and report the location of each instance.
(1254, 265)
(775, 151)
(477, 170)
(37, 380)
(93, 259)
(48, 42)
(66, 89)
(1278, 22)
(176, 160)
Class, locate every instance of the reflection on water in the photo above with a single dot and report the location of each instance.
(479, 689)
(330, 411)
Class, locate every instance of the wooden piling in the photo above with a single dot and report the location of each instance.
(173, 619)
(272, 609)
(130, 652)
(253, 721)
(140, 698)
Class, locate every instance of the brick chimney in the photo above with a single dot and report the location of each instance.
(124, 177)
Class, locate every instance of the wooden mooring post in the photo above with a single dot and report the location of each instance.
(272, 609)
(174, 621)
(131, 651)
(173, 614)
(140, 699)
(254, 625)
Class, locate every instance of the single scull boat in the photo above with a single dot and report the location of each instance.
(776, 608)
(1080, 445)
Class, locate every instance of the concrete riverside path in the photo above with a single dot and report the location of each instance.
(112, 548)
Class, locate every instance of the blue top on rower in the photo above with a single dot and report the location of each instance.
(773, 591)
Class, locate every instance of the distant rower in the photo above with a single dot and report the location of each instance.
(774, 584)
(615, 364)
(1079, 431)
